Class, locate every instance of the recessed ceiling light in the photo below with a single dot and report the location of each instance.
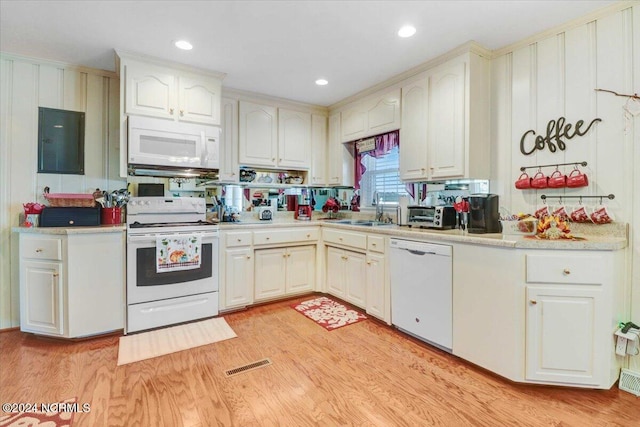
(184, 45)
(407, 31)
(321, 82)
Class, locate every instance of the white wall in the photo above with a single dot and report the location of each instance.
(556, 76)
(25, 85)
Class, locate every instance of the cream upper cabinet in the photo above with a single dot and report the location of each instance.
(340, 160)
(446, 125)
(373, 115)
(294, 139)
(319, 167)
(170, 93)
(413, 134)
(229, 169)
(445, 122)
(258, 134)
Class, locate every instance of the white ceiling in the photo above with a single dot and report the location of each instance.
(277, 48)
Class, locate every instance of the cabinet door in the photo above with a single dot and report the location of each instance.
(258, 134)
(339, 158)
(383, 113)
(354, 123)
(270, 271)
(336, 268)
(149, 91)
(376, 299)
(355, 277)
(413, 133)
(294, 139)
(238, 277)
(199, 100)
(446, 126)
(301, 269)
(561, 344)
(229, 169)
(318, 172)
(41, 297)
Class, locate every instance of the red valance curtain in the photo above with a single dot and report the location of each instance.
(384, 143)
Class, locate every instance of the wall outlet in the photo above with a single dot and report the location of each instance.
(621, 346)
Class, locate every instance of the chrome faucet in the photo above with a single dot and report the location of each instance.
(379, 208)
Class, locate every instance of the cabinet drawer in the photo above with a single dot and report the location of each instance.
(41, 248)
(238, 239)
(375, 244)
(578, 269)
(291, 235)
(346, 238)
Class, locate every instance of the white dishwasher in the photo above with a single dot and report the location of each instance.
(422, 290)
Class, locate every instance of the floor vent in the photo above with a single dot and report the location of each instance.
(630, 381)
(248, 367)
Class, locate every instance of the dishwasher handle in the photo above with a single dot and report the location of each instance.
(416, 252)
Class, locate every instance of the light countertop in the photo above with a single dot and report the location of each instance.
(119, 228)
(595, 238)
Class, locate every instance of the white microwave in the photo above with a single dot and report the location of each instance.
(170, 144)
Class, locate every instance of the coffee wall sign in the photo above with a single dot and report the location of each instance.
(556, 131)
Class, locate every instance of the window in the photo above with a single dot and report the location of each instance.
(381, 178)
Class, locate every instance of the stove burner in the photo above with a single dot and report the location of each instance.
(137, 224)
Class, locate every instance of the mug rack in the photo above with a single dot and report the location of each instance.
(608, 196)
(523, 168)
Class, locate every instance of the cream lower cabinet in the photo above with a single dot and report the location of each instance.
(345, 273)
(356, 270)
(61, 294)
(571, 315)
(238, 277)
(284, 271)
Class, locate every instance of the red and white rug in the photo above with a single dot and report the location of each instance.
(328, 313)
(55, 415)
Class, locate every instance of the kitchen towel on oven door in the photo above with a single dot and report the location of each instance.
(178, 252)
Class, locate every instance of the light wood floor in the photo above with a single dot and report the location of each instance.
(362, 374)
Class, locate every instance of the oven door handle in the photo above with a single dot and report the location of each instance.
(153, 237)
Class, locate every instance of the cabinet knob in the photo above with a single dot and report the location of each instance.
(56, 274)
(233, 174)
(248, 256)
(368, 262)
(239, 240)
(181, 113)
(308, 234)
(533, 302)
(566, 272)
(344, 257)
(171, 111)
(340, 238)
(288, 255)
(39, 250)
(373, 244)
(273, 159)
(268, 238)
(284, 255)
(280, 160)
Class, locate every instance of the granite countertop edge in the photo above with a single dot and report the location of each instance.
(99, 229)
(453, 236)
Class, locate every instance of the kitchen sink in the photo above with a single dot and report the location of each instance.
(364, 223)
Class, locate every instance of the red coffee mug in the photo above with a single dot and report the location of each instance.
(557, 180)
(542, 212)
(577, 179)
(523, 182)
(579, 214)
(539, 181)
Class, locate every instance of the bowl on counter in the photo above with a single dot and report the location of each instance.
(520, 227)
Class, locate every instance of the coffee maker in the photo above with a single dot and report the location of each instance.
(483, 214)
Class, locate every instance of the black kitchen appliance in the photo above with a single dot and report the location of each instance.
(70, 217)
(483, 214)
(150, 190)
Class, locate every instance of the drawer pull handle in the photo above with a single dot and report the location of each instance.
(39, 250)
(373, 244)
(533, 302)
(268, 238)
(566, 272)
(308, 235)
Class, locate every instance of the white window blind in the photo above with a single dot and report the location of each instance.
(382, 176)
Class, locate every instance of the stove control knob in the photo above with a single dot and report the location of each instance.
(132, 202)
(146, 202)
(437, 222)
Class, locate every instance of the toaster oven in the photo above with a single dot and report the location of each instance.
(442, 217)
